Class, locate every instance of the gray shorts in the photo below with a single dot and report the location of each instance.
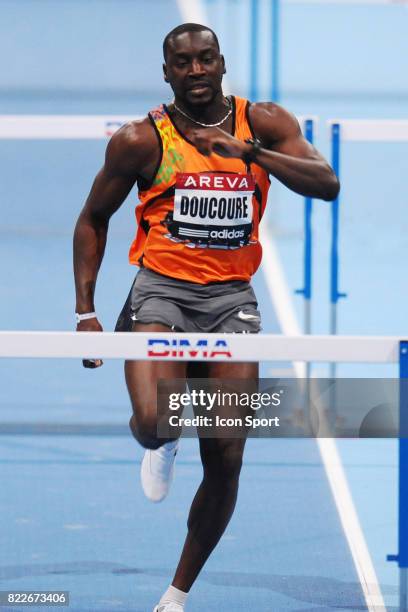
(228, 307)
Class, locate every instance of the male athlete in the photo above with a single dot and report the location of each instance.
(202, 166)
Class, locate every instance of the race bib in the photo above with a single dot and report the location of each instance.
(212, 210)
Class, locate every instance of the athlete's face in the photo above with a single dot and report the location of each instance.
(194, 67)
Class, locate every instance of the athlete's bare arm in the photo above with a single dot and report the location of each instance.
(131, 155)
(285, 153)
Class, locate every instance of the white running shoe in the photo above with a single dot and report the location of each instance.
(157, 472)
(169, 607)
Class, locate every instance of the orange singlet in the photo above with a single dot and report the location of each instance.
(199, 219)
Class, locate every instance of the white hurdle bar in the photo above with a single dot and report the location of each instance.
(209, 347)
(71, 127)
(372, 130)
(61, 127)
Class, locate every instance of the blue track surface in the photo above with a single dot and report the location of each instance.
(76, 520)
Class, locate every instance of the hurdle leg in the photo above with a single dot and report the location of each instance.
(403, 479)
(402, 556)
(403, 589)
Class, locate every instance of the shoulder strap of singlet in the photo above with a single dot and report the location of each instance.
(155, 116)
(242, 114)
(158, 113)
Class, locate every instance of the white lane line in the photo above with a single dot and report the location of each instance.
(279, 291)
(351, 524)
(281, 299)
(193, 11)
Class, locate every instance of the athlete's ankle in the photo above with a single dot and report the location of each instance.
(174, 595)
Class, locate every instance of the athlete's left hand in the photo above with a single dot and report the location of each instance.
(215, 140)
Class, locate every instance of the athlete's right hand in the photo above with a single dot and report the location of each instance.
(90, 325)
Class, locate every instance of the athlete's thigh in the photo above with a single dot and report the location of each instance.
(246, 370)
(233, 382)
(142, 376)
(223, 369)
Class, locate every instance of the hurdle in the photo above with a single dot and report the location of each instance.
(374, 130)
(353, 130)
(306, 290)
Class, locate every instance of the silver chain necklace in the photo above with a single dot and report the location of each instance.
(204, 124)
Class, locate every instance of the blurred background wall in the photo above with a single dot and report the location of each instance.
(66, 48)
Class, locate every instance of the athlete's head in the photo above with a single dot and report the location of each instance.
(193, 63)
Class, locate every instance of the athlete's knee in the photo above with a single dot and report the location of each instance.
(144, 429)
(224, 464)
(230, 462)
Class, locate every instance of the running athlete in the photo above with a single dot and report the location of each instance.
(202, 166)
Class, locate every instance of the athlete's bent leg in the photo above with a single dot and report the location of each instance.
(216, 497)
(157, 467)
(141, 380)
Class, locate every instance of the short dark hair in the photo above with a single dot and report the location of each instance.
(186, 27)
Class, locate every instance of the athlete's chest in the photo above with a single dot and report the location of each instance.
(211, 210)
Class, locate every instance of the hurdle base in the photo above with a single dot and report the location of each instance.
(403, 584)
